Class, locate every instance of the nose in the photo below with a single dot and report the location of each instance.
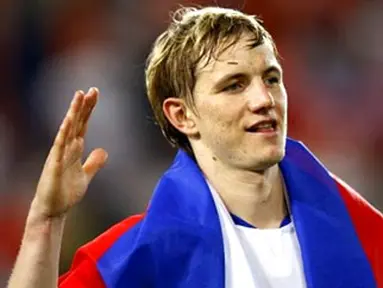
(260, 97)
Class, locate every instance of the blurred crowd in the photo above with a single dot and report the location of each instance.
(333, 67)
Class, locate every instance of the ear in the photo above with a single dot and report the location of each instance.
(180, 116)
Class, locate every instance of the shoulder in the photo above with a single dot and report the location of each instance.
(84, 271)
(132, 251)
(100, 245)
(368, 223)
(357, 205)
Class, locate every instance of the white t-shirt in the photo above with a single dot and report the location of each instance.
(274, 255)
(259, 258)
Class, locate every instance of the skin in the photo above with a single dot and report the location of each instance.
(243, 86)
(63, 183)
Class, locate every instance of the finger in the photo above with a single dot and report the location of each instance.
(90, 102)
(58, 148)
(84, 130)
(74, 112)
(95, 161)
(63, 135)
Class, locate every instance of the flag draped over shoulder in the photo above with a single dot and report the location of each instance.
(178, 241)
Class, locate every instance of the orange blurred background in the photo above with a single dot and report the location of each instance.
(333, 67)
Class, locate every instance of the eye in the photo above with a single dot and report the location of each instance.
(271, 81)
(236, 86)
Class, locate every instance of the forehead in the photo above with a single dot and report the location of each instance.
(241, 54)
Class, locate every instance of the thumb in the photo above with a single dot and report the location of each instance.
(95, 161)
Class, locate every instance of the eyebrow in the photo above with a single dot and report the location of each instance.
(230, 76)
(273, 68)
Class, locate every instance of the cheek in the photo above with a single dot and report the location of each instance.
(281, 104)
(216, 119)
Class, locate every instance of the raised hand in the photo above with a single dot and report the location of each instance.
(64, 179)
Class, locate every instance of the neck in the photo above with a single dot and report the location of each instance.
(256, 197)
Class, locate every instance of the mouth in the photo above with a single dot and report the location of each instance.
(266, 126)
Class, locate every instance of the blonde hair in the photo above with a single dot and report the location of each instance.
(194, 35)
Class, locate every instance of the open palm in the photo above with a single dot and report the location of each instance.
(65, 178)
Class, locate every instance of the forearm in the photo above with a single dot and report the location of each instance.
(38, 259)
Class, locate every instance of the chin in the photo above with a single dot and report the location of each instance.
(268, 157)
(269, 162)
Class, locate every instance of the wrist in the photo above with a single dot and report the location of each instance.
(39, 224)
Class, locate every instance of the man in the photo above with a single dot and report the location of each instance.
(241, 206)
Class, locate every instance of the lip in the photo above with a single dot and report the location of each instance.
(268, 134)
(265, 134)
(253, 128)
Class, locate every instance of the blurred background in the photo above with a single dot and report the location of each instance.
(333, 62)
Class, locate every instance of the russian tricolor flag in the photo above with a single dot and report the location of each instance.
(178, 241)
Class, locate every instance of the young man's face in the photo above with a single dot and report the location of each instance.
(233, 94)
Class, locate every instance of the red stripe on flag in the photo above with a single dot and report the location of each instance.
(368, 223)
(83, 272)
